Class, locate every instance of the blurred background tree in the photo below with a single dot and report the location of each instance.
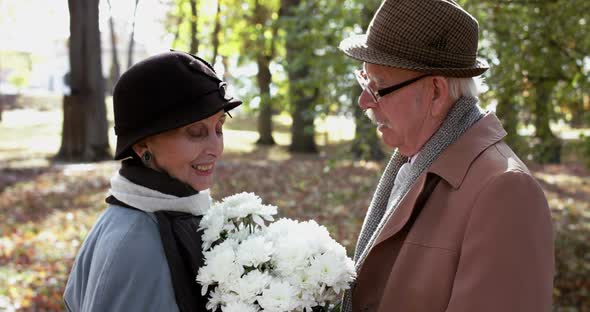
(84, 131)
(115, 70)
(255, 32)
(365, 144)
(287, 63)
(540, 66)
(130, 49)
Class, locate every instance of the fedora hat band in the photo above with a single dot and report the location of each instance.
(432, 57)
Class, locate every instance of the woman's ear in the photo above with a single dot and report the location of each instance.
(440, 96)
(140, 147)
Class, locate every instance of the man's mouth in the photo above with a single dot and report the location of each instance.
(374, 119)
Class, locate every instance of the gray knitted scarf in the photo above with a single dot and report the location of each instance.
(464, 113)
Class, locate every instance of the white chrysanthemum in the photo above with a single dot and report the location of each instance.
(259, 213)
(239, 307)
(213, 226)
(241, 233)
(332, 269)
(217, 298)
(244, 197)
(303, 280)
(267, 212)
(290, 255)
(250, 285)
(254, 251)
(205, 278)
(316, 238)
(220, 265)
(319, 237)
(242, 205)
(306, 289)
(327, 296)
(306, 300)
(233, 211)
(280, 228)
(299, 266)
(279, 296)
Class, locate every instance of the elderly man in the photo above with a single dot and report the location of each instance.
(457, 222)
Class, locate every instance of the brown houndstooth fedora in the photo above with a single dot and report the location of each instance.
(430, 36)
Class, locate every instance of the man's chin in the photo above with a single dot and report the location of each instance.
(388, 137)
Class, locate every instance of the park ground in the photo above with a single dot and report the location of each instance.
(47, 208)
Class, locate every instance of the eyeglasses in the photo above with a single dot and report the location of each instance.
(363, 80)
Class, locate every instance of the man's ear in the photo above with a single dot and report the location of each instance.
(140, 147)
(440, 96)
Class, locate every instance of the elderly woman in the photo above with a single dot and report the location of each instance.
(144, 251)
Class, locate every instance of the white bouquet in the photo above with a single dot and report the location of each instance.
(283, 266)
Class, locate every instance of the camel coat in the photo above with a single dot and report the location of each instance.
(482, 242)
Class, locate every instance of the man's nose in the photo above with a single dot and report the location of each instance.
(365, 100)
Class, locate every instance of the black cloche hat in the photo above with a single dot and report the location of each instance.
(164, 92)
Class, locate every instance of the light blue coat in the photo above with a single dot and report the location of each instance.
(121, 266)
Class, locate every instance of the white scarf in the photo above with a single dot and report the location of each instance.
(148, 200)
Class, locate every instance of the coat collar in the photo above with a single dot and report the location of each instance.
(454, 162)
(451, 165)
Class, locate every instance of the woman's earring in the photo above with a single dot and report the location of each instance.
(146, 157)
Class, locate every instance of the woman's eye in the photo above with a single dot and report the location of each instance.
(196, 133)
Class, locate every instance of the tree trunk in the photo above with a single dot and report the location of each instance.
(226, 72)
(548, 148)
(132, 37)
(1, 96)
(507, 112)
(85, 129)
(216, 30)
(177, 31)
(365, 144)
(301, 97)
(507, 91)
(115, 71)
(579, 114)
(302, 129)
(264, 78)
(73, 145)
(194, 19)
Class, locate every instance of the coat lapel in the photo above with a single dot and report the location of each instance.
(451, 165)
(400, 216)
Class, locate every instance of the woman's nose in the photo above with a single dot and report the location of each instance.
(214, 145)
(365, 100)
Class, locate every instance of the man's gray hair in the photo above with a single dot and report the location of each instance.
(459, 87)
